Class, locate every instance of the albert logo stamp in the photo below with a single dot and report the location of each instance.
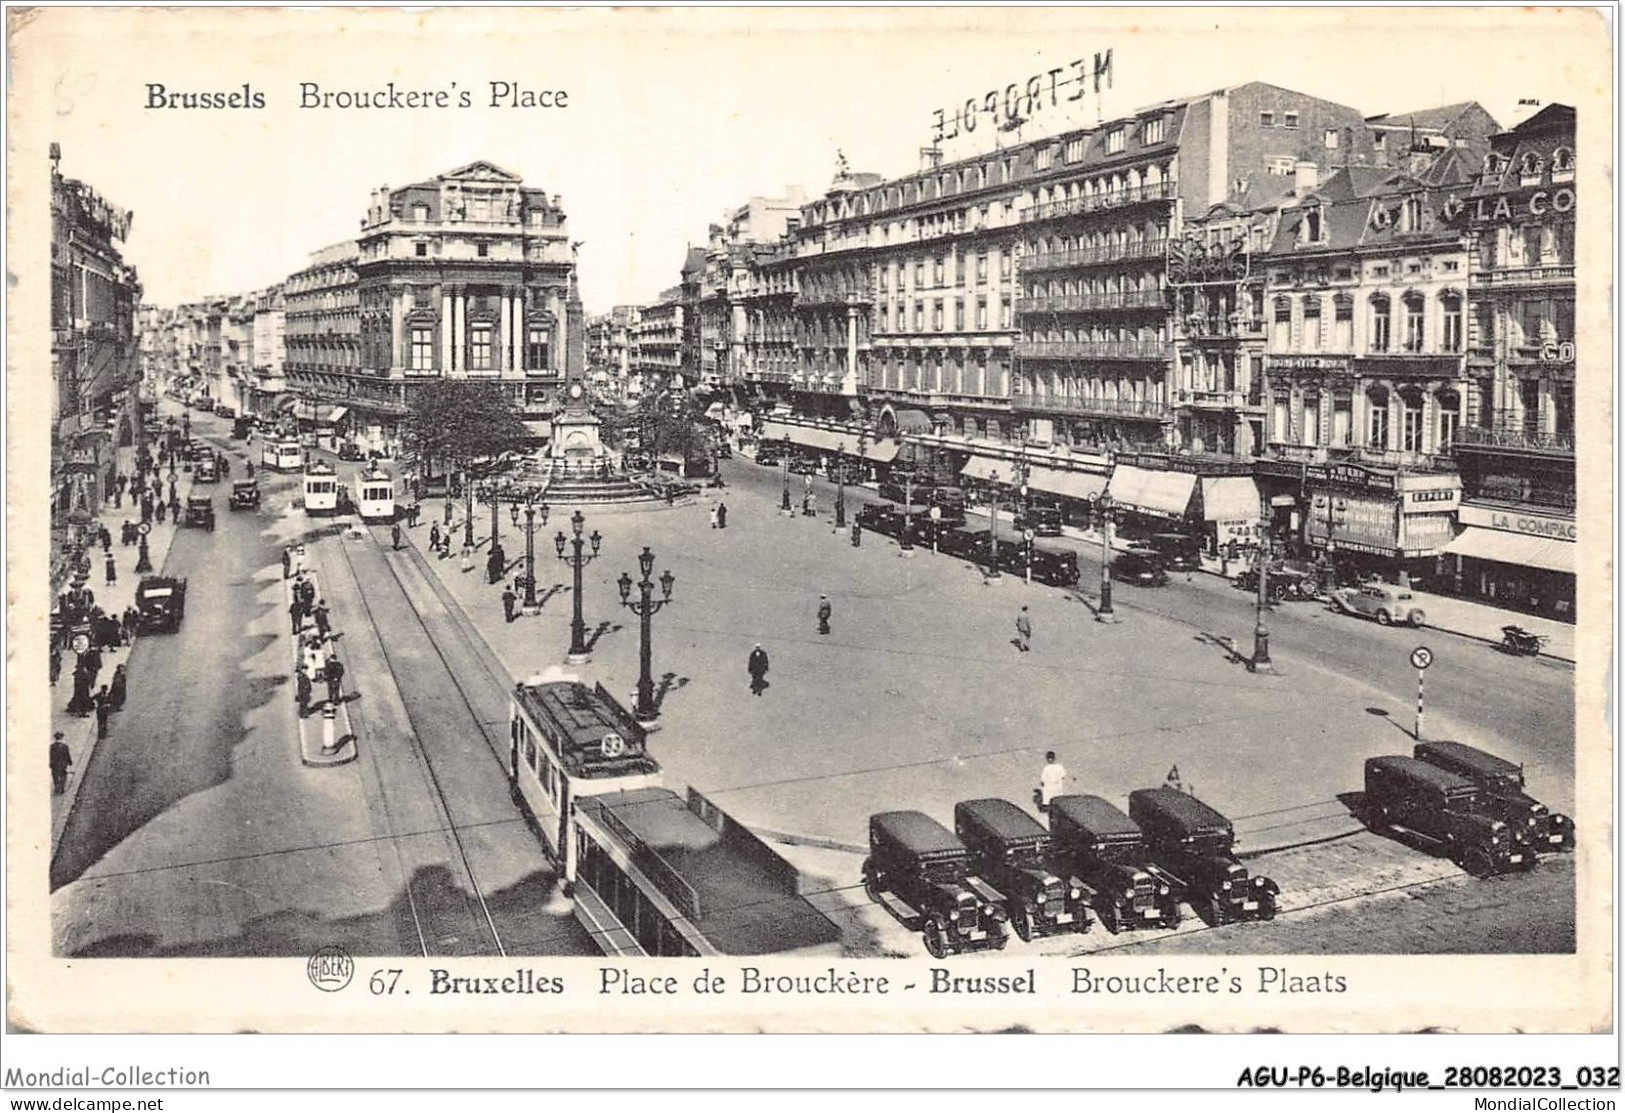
(330, 969)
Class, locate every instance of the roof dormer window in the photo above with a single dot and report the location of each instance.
(1529, 169)
(1562, 165)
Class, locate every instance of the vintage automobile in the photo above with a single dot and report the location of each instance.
(891, 521)
(1056, 567)
(966, 544)
(199, 512)
(245, 494)
(925, 877)
(1043, 520)
(1141, 568)
(1012, 853)
(206, 471)
(1502, 781)
(1386, 603)
(224, 410)
(1105, 849)
(1288, 580)
(919, 494)
(1196, 844)
(1178, 552)
(950, 503)
(349, 450)
(1451, 813)
(804, 465)
(161, 603)
(241, 427)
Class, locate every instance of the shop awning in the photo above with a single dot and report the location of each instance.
(824, 440)
(912, 421)
(984, 467)
(1067, 484)
(1231, 498)
(1166, 494)
(1521, 549)
(881, 452)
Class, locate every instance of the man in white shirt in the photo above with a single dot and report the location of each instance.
(1050, 781)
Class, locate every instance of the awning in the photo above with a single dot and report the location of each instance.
(1166, 494)
(824, 440)
(1521, 549)
(912, 421)
(881, 452)
(984, 467)
(325, 414)
(1231, 498)
(1068, 484)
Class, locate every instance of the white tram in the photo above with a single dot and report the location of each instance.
(321, 488)
(375, 495)
(282, 453)
(569, 741)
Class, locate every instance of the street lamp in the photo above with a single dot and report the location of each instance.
(468, 509)
(577, 561)
(493, 494)
(840, 484)
(784, 504)
(646, 710)
(1261, 635)
(533, 510)
(1020, 478)
(1104, 508)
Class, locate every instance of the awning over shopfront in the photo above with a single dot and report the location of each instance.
(1165, 494)
(881, 452)
(824, 440)
(325, 414)
(912, 421)
(1546, 553)
(984, 467)
(1230, 498)
(1067, 484)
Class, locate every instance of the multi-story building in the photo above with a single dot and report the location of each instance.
(270, 352)
(1403, 139)
(657, 341)
(1517, 466)
(96, 427)
(322, 340)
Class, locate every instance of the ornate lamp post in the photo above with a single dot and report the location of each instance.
(533, 510)
(1103, 507)
(468, 509)
(1261, 635)
(494, 495)
(577, 561)
(784, 504)
(840, 484)
(646, 710)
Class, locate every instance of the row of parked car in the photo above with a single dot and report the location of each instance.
(1000, 869)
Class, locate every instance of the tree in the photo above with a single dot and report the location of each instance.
(462, 424)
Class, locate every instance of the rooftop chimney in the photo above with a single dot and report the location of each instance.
(1305, 177)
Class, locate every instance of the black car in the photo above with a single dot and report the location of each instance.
(950, 503)
(973, 545)
(1451, 813)
(1057, 567)
(199, 513)
(918, 494)
(925, 877)
(245, 495)
(1196, 844)
(1106, 850)
(1045, 521)
(1139, 568)
(349, 451)
(1012, 852)
(801, 465)
(161, 603)
(1503, 781)
(1178, 551)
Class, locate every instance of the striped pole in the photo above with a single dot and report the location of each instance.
(1419, 675)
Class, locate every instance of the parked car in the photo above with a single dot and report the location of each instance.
(1139, 568)
(918, 494)
(1288, 580)
(200, 512)
(1387, 603)
(349, 451)
(224, 410)
(241, 427)
(245, 494)
(1196, 844)
(924, 877)
(1012, 853)
(1106, 850)
(161, 603)
(966, 544)
(206, 471)
(803, 465)
(1179, 552)
(1445, 811)
(1057, 567)
(950, 503)
(1045, 521)
(1502, 781)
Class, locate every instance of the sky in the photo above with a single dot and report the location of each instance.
(672, 116)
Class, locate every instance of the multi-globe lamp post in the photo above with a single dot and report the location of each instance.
(578, 560)
(533, 510)
(644, 607)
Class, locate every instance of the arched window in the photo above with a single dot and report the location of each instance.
(1529, 168)
(1415, 322)
(1448, 403)
(1376, 421)
(1311, 323)
(1411, 438)
(1381, 324)
(1562, 165)
(1450, 304)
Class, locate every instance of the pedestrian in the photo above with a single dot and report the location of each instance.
(447, 518)
(824, 611)
(301, 687)
(81, 704)
(92, 661)
(1051, 780)
(287, 564)
(713, 515)
(467, 556)
(104, 710)
(298, 558)
(106, 536)
(158, 512)
(494, 564)
(722, 515)
(395, 535)
(250, 467)
(119, 688)
(56, 663)
(1024, 631)
(333, 673)
(757, 666)
(509, 599)
(112, 571)
(315, 664)
(323, 620)
(296, 613)
(857, 535)
(61, 762)
(434, 537)
(132, 624)
(671, 494)
(175, 509)
(146, 509)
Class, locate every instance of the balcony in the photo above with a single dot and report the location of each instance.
(1098, 407)
(1092, 349)
(1502, 277)
(1516, 440)
(1219, 400)
(1086, 303)
(830, 299)
(1100, 202)
(1217, 328)
(1094, 256)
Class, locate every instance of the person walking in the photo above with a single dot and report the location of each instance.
(713, 515)
(333, 673)
(92, 661)
(112, 571)
(757, 666)
(61, 762)
(158, 512)
(467, 557)
(301, 687)
(1024, 631)
(296, 613)
(174, 508)
(287, 563)
(146, 508)
(434, 537)
(323, 620)
(56, 663)
(857, 535)
(509, 599)
(1051, 781)
(722, 515)
(131, 624)
(82, 702)
(395, 535)
(104, 710)
(824, 611)
(447, 518)
(119, 688)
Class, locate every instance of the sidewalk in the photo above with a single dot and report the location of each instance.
(314, 748)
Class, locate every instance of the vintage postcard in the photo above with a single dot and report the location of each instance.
(809, 520)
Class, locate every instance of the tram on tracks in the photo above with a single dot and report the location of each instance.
(282, 453)
(321, 489)
(651, 873)
(375, 495)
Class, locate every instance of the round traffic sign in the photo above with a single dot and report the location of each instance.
(1028, 535)
(81, 643)
(612, 745)
(936, 513)
(146, 528)
(1421, 657)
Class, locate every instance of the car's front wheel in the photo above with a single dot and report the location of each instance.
(1384, 618)
(936, 943)
(1478, 863)
(1021, 919)
(1417, 618)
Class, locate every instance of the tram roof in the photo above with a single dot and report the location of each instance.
(747, 894)
(586, 716)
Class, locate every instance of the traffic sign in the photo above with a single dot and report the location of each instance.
(1028, 535)
(1421, 657)
(81, 643)
(146, 528)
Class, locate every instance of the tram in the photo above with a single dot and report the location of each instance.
(321, 488)
(375, 495)
(282, 453)
(570, 741)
